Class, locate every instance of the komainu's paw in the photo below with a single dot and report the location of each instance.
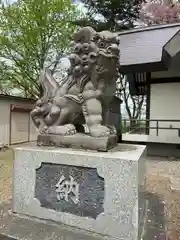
(99, 131)
(64, 130)
(43, 129)
(112, 129)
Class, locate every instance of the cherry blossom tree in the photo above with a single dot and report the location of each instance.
(160, 12)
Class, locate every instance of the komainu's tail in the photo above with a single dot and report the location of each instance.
(48, 84)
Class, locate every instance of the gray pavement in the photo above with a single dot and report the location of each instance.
(14, 227)
(24, 228)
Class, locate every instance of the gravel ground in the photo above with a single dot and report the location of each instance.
(6, 165)
(163, 179)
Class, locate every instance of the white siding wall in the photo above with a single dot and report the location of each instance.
(165, 104)
(5, 119)
(19, 127)
(172, 72)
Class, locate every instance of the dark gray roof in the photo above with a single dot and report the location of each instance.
(149, 28)
(143, 48)
(173, 45)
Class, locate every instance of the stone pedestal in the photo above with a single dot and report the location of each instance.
(94, 191)
(78, 141)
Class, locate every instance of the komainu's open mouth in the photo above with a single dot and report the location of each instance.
(107, 54)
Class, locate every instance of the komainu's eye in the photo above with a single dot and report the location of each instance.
(95, 38)
(102, 45)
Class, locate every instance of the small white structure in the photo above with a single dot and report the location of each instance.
(156, 52)
(16, 125)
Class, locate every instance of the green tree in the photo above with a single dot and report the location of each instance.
(113, 15)
(33, 35)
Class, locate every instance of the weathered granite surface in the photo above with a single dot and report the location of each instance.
(122, 168)
(79, 140)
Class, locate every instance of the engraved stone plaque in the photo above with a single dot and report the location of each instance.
(71, 189)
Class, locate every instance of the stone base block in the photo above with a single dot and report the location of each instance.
(93, 191)
(79, 140)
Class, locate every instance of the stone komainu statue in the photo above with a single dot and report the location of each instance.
(84, 96)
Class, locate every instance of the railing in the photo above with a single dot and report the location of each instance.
(135, 126)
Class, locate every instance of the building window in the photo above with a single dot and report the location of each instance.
(137, 83)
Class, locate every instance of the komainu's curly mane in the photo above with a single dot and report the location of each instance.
(90, 55)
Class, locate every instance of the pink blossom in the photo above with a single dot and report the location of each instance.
(157, 12)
